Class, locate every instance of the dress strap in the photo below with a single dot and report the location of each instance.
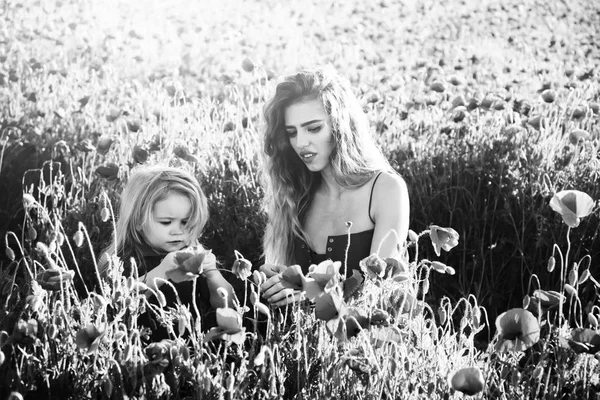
(371, 197)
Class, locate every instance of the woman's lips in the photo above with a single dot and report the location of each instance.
(307, 157)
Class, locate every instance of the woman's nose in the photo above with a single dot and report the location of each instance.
(302, 139)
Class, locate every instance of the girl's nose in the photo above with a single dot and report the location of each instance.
(177, 229)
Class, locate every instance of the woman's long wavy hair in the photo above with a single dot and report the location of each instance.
(289, 185)
(147, 186)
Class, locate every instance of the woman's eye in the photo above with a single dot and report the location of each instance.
(291, 133)
(314, 129)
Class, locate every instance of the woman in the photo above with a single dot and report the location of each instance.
(323, 171)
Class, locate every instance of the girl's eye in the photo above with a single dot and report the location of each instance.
(184, 222)
(314, 129)
(165, 222)
(291, 133)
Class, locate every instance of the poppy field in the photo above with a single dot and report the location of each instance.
(489, 110)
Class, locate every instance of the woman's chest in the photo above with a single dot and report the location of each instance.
(327, 217)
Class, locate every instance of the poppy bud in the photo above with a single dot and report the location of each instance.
(412, 236)
(263, 309)
(104, 214)
(78, 238)
(526, 301)
(538, 372)
(584, 276)
(551, 264)
(571, 291)
(593, 320)
(572, 279)
(10, 253)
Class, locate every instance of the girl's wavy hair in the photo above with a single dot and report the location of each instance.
(289, 185)
(147, 186)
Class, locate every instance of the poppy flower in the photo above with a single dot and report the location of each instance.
(109, 171)
(190, 263)
(229, 327)
(139, 154)
(88, 338)
(158, 353)
(373, 266)
(103, 145)
(292, 277)
(572, 205)
(467, 380)
(182, 152)
(321, 276)
(51, 278)
(395, 267)
(353, 284)
(443, 238)
(578, 135)
(241, 268)
(329, 306)
(518, 329)
(584, 340)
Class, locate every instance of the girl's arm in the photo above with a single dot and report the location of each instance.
(159, 272)
(215, 280)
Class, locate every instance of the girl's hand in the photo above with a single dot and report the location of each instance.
(161, 271)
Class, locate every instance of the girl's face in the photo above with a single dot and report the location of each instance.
(167, 229)
(308, 128)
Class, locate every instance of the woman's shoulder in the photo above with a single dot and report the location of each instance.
(388, 182)
(389, 191)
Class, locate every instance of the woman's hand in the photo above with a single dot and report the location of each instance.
(275, 290)
(271, 270)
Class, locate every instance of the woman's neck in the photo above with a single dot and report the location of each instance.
(329, 185)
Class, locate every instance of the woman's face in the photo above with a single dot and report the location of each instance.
(308, 128)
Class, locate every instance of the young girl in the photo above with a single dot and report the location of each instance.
(323, 169)
(163, 210)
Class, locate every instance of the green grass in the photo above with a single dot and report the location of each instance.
(166, 79)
